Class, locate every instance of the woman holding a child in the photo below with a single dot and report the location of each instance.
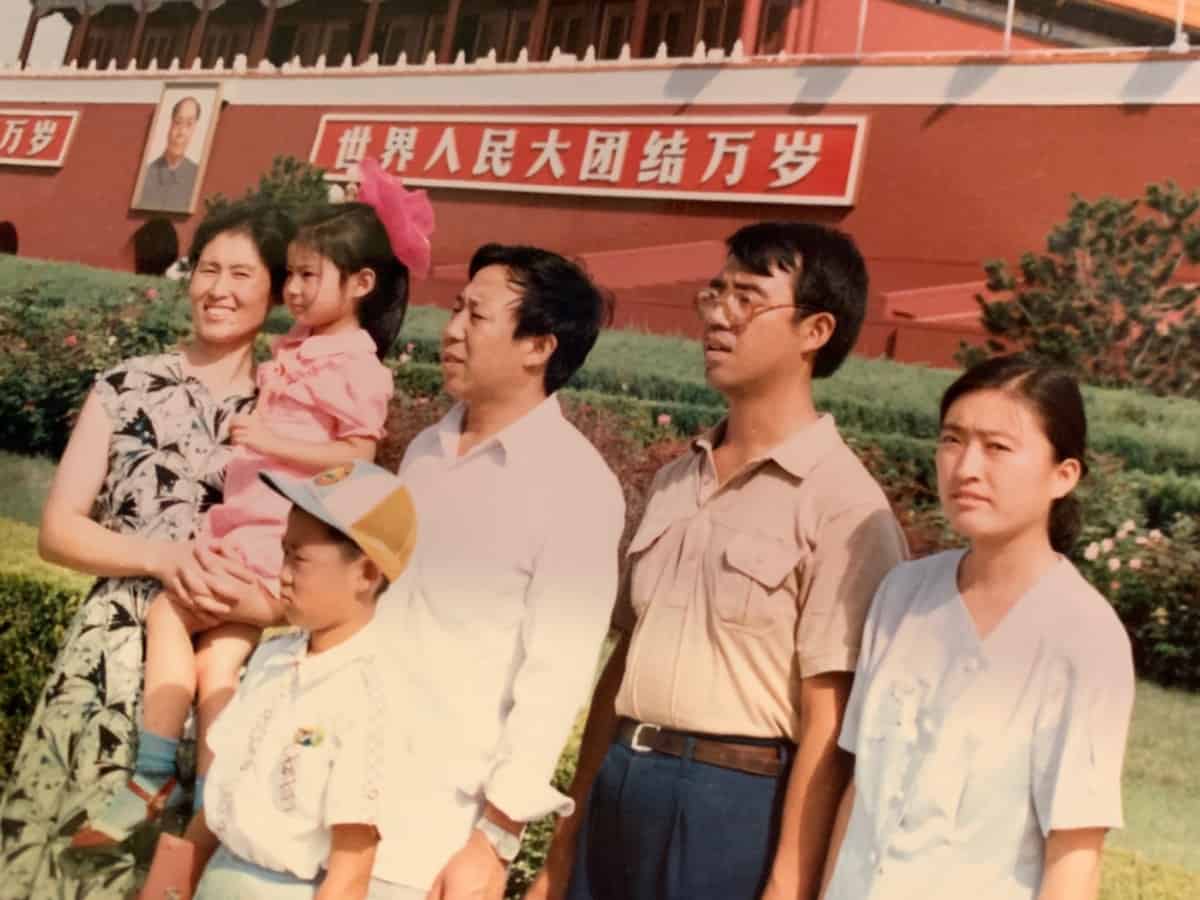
(145, 460)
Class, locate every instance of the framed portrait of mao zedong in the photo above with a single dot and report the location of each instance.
(176, 151)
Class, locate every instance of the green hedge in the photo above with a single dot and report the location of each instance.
(1153, 434)
(37, 602)
(60, 323)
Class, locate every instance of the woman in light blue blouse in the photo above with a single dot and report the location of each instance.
(993, 695)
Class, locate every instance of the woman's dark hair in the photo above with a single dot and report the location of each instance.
(155, 247)
(268, 227)
(829, 275)
(351, 236)
(558, 298)
(1053, 394)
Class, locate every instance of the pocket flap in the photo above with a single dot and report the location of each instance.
(649, 531)
(765, 560)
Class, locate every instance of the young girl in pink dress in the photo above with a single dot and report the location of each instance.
(322, 402)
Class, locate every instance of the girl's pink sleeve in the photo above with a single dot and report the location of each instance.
(355, 393)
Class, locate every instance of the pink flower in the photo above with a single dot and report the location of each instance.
(1114, 564)
(1156, 535)
(70, 340)
(664, 419)
(1106, 545)
(1141, 540)
(1115, 585)
(1092, 553)
(151, 293)
(404, 359)
(409, 347)
(1135, 564)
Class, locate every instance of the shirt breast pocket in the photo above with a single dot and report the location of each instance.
(645, 580)
(756, 585)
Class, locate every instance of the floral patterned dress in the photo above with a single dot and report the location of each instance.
(166, 466)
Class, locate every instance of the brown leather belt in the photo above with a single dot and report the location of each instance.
(755, 759)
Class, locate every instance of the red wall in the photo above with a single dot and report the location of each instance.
(942, 189)
(895, 27)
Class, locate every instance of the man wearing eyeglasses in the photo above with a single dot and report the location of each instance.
(709, 768)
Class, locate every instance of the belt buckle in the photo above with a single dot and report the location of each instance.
(635, 738)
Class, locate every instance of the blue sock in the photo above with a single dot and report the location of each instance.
(198, 795)
(156, 754)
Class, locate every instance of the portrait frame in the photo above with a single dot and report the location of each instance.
(207, 95)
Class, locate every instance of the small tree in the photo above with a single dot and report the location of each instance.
(1104, 299)
(291, 183)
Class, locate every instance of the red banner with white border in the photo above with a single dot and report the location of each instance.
(764, 159)
(36, 137)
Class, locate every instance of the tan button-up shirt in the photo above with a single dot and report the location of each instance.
(736, 592)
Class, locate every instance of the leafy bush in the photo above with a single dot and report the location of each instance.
(291, 183)
(1104, 299)
(59, 326)
(1151, 578)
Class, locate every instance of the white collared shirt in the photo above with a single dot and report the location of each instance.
(969, 752)
(299, 749)
(496, 627)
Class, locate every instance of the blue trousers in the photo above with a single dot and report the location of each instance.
(658, 827)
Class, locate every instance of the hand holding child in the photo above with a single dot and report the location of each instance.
(251, 430)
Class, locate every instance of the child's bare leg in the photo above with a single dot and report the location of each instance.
(206, 843)
(220, 654)
(170, 667)
(170, 685)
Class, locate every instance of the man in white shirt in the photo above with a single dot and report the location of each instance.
(498, 622)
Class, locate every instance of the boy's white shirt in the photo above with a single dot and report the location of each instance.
(494, 630)
(324, 712)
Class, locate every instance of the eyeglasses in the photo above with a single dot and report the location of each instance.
(739, 309)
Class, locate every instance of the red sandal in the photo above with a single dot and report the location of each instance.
(91, 838)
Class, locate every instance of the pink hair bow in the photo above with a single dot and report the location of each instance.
(407, 216)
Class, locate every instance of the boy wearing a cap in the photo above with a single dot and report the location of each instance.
(293, 793)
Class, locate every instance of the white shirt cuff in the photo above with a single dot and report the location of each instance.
(524, 798)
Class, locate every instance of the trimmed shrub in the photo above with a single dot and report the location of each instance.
(59, 326)
(37, 602)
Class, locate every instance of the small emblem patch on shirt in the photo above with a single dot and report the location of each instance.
(309, 737)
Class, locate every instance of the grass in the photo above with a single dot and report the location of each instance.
(18, 554)
(26, 481)
(1162, 792)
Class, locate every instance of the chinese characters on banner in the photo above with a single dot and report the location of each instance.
(35, 137)
(776, 159)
